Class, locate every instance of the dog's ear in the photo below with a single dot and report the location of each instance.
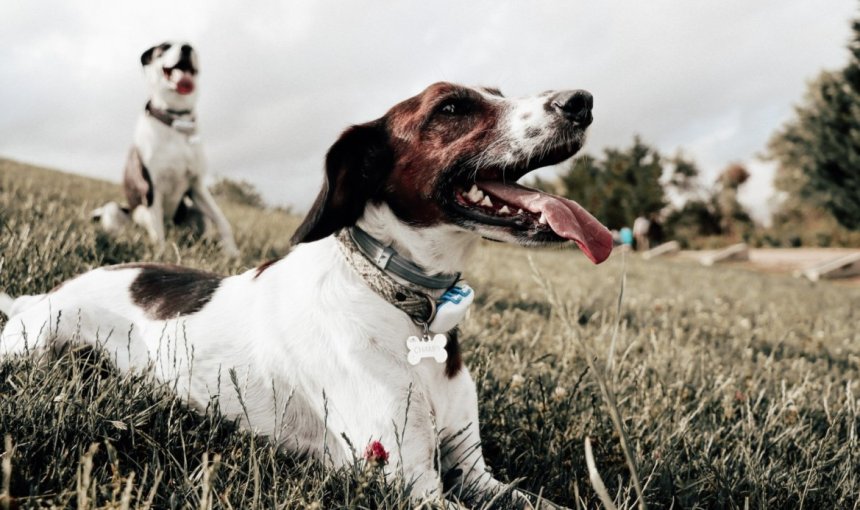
(149, 54)
(356, 167)
(146, 58)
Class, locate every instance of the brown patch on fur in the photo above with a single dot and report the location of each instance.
(167, 291)
(265, 265)
(404, 158)
(136, 181)
(455, 358)
(427, 142)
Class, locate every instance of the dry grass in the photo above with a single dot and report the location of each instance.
(735, 389)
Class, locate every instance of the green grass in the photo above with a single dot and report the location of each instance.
(736, 389)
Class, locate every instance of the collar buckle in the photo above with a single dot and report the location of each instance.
(381, 259)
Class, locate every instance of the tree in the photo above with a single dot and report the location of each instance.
(239, 192)
(818, 151)
(635, 181)
(733, 218)
(622, 185)
(695, 219)
(683, 178)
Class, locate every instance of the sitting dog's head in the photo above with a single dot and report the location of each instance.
(452, 155)
(171, 71)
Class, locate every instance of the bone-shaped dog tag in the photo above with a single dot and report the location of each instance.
(427, 347)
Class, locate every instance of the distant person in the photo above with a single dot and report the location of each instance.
(641, 229)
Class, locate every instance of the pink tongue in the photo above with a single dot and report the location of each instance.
(566, 218)
(185, 86)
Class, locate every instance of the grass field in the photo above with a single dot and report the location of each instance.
(736, 389)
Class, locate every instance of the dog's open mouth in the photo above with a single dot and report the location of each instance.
(491, 200)
(181, 80)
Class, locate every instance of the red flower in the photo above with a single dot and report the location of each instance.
(375, 454)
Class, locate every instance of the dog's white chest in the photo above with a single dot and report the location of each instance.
(164, 149)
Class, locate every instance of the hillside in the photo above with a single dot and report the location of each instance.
(736, 388)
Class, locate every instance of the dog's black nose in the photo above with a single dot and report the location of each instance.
(575, 106)
(186, 49)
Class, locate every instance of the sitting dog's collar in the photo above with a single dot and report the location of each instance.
(376, 264)
(173, 119)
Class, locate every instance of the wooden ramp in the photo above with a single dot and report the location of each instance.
(840, 267)
(670, 248)
(733, 253)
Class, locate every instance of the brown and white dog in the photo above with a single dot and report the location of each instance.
(318, 355)
(164, 178)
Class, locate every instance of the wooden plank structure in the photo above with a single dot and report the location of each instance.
(670, 248)
(734, 253)
(840, 267)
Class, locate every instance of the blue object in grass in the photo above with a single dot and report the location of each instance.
(451, 308)
(626, 236)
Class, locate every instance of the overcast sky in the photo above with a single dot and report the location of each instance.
(280, 80)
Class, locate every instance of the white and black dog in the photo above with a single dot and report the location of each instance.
(165, 171)
(332, 345)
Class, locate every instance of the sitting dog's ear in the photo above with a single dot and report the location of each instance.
(356, 167)
(149, 54)
(146, 58)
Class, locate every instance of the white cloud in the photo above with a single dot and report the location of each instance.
(280, 80)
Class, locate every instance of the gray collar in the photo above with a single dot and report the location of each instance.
(385, 258)
(174, 118)
(373, 263)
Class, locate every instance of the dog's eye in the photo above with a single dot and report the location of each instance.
(455, 107)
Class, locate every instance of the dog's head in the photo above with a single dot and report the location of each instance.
(452, 155)
(171, 70)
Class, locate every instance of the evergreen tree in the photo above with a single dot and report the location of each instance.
(683, 178)
(622, 185)
(818, 151)
(733, 218)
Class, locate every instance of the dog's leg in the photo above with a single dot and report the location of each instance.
(461, 452)
(210, 209)
(94, 308)
(473, 482)
(42, 322)
(354, 420)
(152, 219)
(13, 306)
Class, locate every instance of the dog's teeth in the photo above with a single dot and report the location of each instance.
(486, 202)
(519, 211)
(542, 219)
(475, 195)
(505, 210)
